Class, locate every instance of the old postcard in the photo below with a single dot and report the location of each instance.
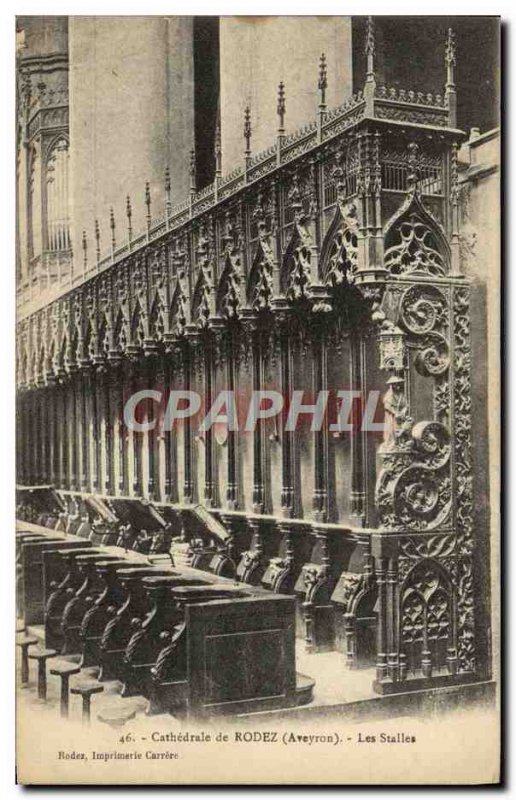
(257, 372)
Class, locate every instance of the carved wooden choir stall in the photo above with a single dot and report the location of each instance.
(328, 262)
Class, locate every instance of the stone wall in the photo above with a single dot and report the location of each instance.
(131, 115)
(258, 52)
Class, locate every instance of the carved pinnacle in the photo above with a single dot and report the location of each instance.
(167, 189)
(192, 171)
(97, 238)
(148, 203)
(247, 131)
(281, 107)
(129, 213)
(218, 150)
(112, 226)
(370, 48)
(323, 80)
(85, 249)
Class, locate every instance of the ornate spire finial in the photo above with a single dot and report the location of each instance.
(168, 188)
(281, 108)
(323, 81)
(450, 93)
(148, 204)
(370, 48)
(294, 199)
(218, 150)
(84, 250)
(247, 131)
(192, 172)
(129, 214)
(97, 239)
(450, 47)
(112, 226)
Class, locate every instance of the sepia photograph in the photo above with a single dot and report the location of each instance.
(258, 453)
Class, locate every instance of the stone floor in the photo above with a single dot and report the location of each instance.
(334, 684)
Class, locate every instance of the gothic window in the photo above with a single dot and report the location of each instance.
(34, 204)
(414, 242)
(58, 212)
(426, 614)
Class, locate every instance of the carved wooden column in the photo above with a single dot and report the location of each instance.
(162, 442)
(107, 411)
(64, 436)
(19, 443)
(209, 478)
(259, 454)
(27, 447)
(358, 477)
(319, 380)
(169, 486)
(31, 436)
(50, 432)
(56, 435)
(74, 439)
(95, 433)
(37, 436)
(33, 428)
(136, 438)
(122, 433)
(393, 622)
(84, 389)
(232, 480)
(47, 413)
(188, 487)
(287, 451)
(150, 414)
(21, 427)
(381, 635)
(40, 435)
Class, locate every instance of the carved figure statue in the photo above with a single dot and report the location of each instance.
(398, 421)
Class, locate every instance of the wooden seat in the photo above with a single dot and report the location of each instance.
(117, 716)
(64, 670)
(24, 644)
(86, 691)
(41, 657)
